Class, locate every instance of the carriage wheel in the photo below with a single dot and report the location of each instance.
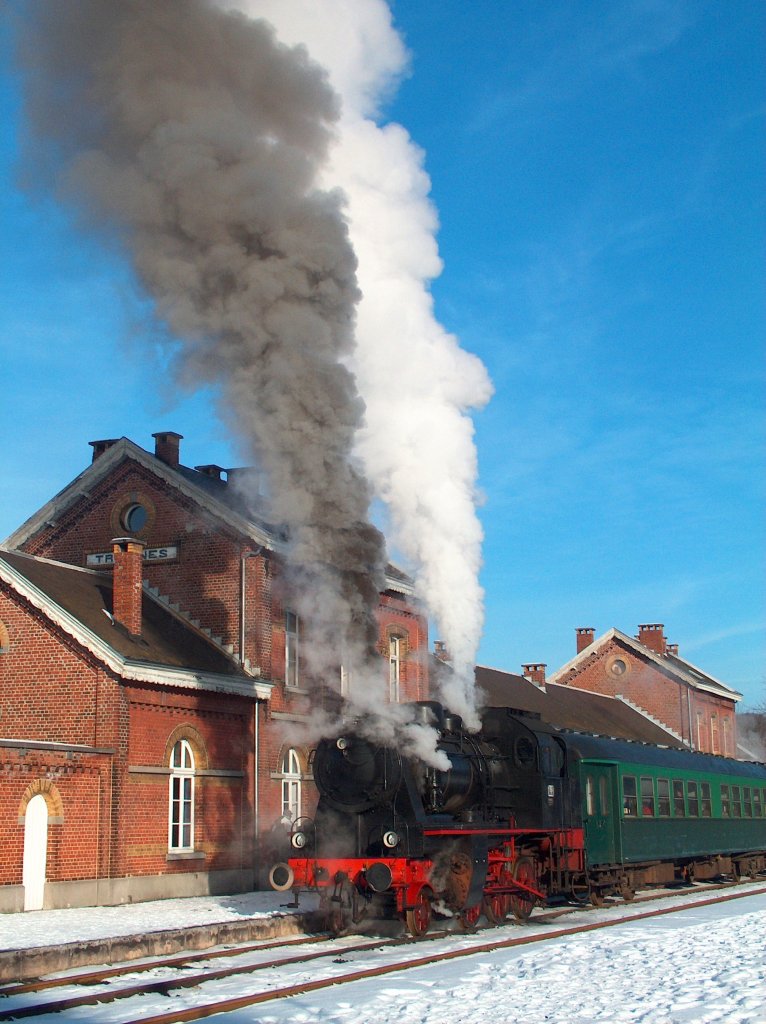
(469, 917)
(522, 903)
(418, 919)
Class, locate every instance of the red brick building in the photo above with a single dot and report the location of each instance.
(152, 691)
(648, 672)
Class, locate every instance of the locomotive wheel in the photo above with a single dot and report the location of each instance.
(418, 919)
(522, 903)
(497, 906)
(469, 917)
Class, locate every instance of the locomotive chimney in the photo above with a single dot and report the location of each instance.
(585, 635)
(652, 635)
(126, 583)
(535, 673)
(167, 447)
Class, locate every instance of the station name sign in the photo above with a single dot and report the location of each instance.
(150, 555)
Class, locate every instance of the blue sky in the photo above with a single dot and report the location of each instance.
(598, 169)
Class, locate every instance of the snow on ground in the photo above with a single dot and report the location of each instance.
(703, 966)
(706, 965)
(52, 927)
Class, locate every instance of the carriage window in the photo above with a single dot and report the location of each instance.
(707, 803)
(603, 797)
(748, 802)
(757, 803)
(647, 797)
(725, 805)
(693, 802)
(663, 797)
(736, 802)
(629, 798)
(590, 802)
(679, 807)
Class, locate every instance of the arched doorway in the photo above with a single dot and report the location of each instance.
(35, 852)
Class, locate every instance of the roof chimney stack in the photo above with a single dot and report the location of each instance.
(126, 583)
(535, 673)
(585, 635)
(652, 635)
(167, 446)
(99, 447)
(440, 651)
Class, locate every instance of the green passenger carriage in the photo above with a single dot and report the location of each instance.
(653, 815)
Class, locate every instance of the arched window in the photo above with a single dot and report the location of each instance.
(181, 806)
(291, 785)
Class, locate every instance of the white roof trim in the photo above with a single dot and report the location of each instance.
(658, 659)
(104, 464)
(127, 668)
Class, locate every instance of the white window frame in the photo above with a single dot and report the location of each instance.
(714, 735)
(290, 769)
(181, 798)
(394, 668)
(291, 648)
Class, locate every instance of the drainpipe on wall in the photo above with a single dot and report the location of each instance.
(256, 796)
(689, 708)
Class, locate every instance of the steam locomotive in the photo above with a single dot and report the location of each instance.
(526, 814)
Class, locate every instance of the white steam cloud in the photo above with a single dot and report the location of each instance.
(287, 241)
(417, 384)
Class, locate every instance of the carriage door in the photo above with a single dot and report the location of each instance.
(600, 812)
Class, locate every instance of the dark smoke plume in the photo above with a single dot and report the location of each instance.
(195, 139)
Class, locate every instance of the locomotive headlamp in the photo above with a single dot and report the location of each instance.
(298, 840)
(390, 839)
(341, 743)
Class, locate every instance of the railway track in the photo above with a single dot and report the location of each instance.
(336, 953)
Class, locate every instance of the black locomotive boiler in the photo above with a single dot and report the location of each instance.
(524, 814)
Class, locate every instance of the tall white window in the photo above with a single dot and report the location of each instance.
(181, 809)
(725, 741)
(700, 731)
(291, 648)
(714, 734)
(291, 785)
(394, 668)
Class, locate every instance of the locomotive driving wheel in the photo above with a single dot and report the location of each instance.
(497, 906)
(469, 917)
(522, 903)
(418, 917)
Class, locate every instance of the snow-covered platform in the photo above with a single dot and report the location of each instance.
(48, 941)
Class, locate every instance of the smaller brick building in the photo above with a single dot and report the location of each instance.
(648, 671)
(155, 709)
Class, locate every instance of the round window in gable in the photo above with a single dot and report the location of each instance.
(134, 517)
(618, 667)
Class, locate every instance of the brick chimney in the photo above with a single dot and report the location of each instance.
(126, 583)
(585, 636)
(211, 470)
(167, 446)
(99, 447)
(671, 649)
(652, 635)
(440, 651)
(535, 673)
